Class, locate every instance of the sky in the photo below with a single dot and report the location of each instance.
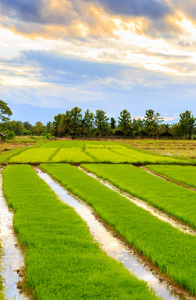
(97, 54)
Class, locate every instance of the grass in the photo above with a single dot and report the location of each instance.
(108, 156)
(6, 156)
(78, 143)
(169, 197)
(35, 155)
(183, 174)
(62, 260)
(141, 157)
(74, 155)
(171, 250)
(183, 149)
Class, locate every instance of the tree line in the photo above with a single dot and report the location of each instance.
(74, 124)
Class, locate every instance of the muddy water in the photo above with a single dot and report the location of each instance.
(112, 245)
(140, 203)
(12, 260)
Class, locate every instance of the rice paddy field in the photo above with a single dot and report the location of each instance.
(62, 258)
(173, 148)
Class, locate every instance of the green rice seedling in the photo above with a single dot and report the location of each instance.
(62, 260)
(74, 155)
(107, 156)
(167, 196)
(35, 155)
(183, 174)
(141, 157)
(77, 143)
(94, 146)
(6, 156)
(168, 248)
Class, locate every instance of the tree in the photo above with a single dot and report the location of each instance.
(88, 122)
(4, 110)
(152, 122)
(76, 121)
(101, 121)
(39, 128)
(124, 121)
(137, 127)
(112, 123)
(187, 124)
(56, 124)
(64, 124)
(49, 127)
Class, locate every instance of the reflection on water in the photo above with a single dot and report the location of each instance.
(114, 247)
(12, 260)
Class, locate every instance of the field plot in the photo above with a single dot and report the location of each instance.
(176, 148)
(171, 250)
(35, 155)
(183, 174)
(74, 155)
(62, 260)
(79, 143)
(169, 197)
(106, 155)
(140, 157)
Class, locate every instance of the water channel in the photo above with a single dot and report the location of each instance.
(112, 245)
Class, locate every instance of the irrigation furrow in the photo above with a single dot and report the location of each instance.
(166, 178)
(144, 205)
(12, 260)
(111, 244)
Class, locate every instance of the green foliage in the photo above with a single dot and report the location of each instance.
(112, 123)
(15, 126)
(171, 250)
(187, 124)
(4, 110)
(101, 121)
(88, 123)
(76, 121)
(169, 197)
(9, 135)
(74, 155)
(62, 260)
(35, 155)
(39, 128)
(124, 121)
(152, 121)
(183, 174)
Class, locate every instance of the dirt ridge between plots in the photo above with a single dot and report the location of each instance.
(166, 178)
(144, 205)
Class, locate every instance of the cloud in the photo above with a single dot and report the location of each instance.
(151, 8)
(26, 10)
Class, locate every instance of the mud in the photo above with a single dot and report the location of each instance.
(113, 246)
(12, 259)
(144, 205)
